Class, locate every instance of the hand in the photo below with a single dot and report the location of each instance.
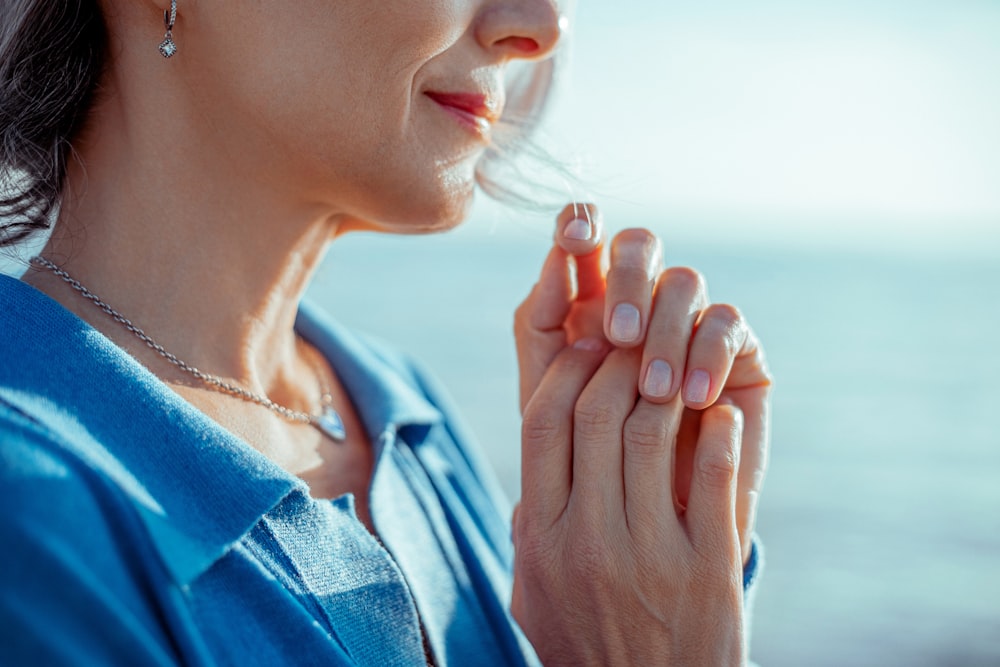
(710, 347)
(607, 570)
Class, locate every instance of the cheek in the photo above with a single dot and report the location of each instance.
(335, 109)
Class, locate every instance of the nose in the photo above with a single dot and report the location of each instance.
(524, 29)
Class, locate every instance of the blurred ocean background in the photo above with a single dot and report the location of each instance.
(834, 170)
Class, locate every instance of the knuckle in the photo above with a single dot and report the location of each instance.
(521, 315)
(725, 313)
(768, 378)
(683, 279)
(540, 426)
(726, 322)
(645, 435)
(718, 468)
(594, 415)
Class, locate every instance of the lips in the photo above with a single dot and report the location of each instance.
(471, 109)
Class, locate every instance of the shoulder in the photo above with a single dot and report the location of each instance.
(37, 462)
(65, 569)
(30, 454)
(52, 495)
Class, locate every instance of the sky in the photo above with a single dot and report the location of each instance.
(853, 122)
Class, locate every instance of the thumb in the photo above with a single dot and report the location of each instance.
(538, 323)
(580, 232)
(573, 271)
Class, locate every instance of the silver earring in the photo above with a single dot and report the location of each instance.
(167, 46)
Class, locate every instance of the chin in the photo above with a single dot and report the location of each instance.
(440, 208)
(437, 221)
(434, 212)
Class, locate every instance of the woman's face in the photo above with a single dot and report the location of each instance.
(381, 108)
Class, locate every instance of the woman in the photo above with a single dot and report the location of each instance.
(198, 470)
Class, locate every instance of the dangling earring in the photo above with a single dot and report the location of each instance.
(167, 46)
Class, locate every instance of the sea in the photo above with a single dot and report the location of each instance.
(880, 515)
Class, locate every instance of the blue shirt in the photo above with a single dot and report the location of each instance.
(136, 531)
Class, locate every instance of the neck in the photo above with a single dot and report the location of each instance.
(181, 242)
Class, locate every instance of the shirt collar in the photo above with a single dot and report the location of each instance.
(384, 386)
(119, 418)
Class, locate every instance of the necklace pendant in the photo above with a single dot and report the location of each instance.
(330, 424)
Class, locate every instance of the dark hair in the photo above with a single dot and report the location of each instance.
(51, 58)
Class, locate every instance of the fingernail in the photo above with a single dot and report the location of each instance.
(697, 386)
(625, 321)
(589, 344)
(658, 376)
(578, 230)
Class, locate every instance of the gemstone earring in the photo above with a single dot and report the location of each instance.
(167, 46)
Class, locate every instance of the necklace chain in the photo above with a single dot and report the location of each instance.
(213, 381)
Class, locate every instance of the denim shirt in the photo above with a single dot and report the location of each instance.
(136, 531)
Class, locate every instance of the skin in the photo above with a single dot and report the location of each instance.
(638, 498)
(206, 189)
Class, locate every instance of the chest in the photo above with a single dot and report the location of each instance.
(333, 469)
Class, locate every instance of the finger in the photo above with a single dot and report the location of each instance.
(636, 258)
(753, 465)
(712, 503)
(649, 437)
(547, 430)
(598, 422)
(720, 335)
(680, 296)
(755, 404)
(580, 232)
(538, 322)
(684, 448)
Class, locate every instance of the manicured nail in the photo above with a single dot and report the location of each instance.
(625, 322)
(579, 230)
(697, 386)
(658, 376)
(589, 344)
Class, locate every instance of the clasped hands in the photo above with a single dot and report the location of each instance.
(644, 445)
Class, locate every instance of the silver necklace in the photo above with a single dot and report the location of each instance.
(327, 422)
